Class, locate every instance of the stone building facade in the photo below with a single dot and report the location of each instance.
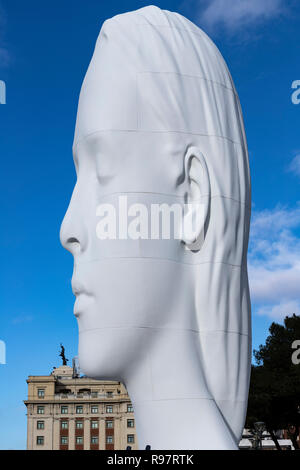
(69, 412)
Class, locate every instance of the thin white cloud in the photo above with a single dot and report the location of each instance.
(274, 262)
(294, 166)
(269, 286)
(238, 14)
(22, 319)
(275, 220)
(278, 312)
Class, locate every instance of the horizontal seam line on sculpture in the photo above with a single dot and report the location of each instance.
(190, 398)
(175, 196)
(82, 139)
(191, 76)
(174, 399)
(160, 259)
(201, 34)
(190, 330)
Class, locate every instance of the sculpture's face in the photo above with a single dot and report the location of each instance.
(134, 133)
(123, 284)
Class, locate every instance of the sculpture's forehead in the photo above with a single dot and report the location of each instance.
(156, 78)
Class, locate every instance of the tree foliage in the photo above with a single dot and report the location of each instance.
(274, 395)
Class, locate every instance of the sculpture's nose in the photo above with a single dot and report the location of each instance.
(72, 235)
(69, 242)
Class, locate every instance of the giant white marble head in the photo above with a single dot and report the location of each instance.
(159, 122)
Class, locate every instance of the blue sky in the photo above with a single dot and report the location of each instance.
(45, 48)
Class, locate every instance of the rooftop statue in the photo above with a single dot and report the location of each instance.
(62, 355)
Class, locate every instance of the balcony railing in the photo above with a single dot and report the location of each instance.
(89, 396)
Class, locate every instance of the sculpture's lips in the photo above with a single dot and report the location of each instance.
(78, 288)
(81, 304)
(83, 297)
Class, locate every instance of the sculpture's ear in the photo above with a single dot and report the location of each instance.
(197, 199)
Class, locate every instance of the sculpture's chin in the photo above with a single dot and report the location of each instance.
(94, 356)
(107, 353)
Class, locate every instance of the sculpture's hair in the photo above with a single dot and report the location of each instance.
(183, 87)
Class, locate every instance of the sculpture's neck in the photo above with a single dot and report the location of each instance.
(173, 407)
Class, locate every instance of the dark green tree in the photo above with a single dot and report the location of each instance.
(274, 395)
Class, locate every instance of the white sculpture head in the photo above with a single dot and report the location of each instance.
(159, 122)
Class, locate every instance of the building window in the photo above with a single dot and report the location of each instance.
(129, 409)
(79, 410)
(41, 410)
(109, 423)
(130, 438)
(40, 440)
(94, 409)
(79, 440)
(94, 424)
(41, 393)
(64, 440)
(109, 394)
(94, 440)
(109, 409)
(130, 423)
(79, 424)
(94, 394)
(64, 425)
(40, 425)
(64, 410)
(109, 440)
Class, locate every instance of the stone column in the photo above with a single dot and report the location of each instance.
(87, 433)
(101, 433)
(71, 434)
(118, 441)
(30, 423)
(56, 433)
